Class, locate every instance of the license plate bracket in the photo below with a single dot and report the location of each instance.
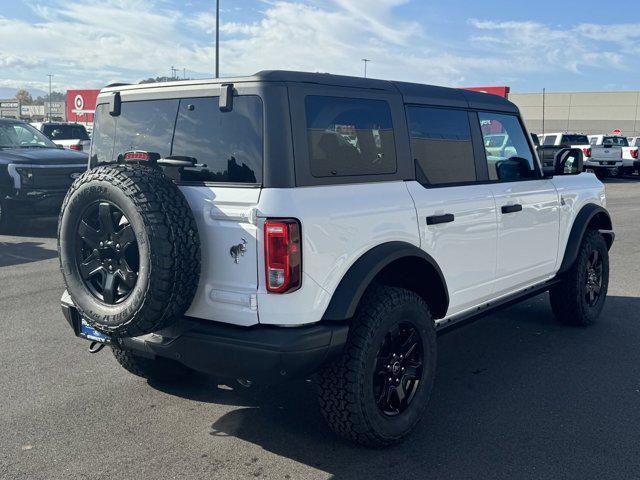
(90, 333)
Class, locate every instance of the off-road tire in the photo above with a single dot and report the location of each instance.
(568, 300)
(345, 390)
(157, 369)
(167, 240)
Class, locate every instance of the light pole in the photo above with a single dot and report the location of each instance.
(365, 60)
(49, 75)
(217, 38)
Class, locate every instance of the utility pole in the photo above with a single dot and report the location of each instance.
(49, 75)
(217, 38)
(184, 73)
(174, 73)
(365, 60)
(544, 91)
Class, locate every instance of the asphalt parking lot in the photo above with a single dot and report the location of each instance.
(517, 396)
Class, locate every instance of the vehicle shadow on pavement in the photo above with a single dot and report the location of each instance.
(24, 252)
(46, 227)
(517, 395)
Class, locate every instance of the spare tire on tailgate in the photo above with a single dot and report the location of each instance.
(129, 249)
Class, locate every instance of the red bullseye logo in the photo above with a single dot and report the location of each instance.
(79, 102)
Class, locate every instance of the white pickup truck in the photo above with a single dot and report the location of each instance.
(607, 154)
(634, 146)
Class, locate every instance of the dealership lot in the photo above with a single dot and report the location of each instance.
(517, 396)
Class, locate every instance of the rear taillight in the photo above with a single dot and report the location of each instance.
(283, 255)
(634, 153)
(587, 152)
(76, 147)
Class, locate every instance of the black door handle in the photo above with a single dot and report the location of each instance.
(436, 219)
(512, 208)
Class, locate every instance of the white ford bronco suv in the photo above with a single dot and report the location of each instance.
(302, 225)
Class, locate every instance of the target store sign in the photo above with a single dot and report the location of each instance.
(81, 105)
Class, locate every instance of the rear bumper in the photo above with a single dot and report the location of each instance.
(263, 354)
(603, 163)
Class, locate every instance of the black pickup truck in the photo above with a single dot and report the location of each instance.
(34, 172)
(554, 142)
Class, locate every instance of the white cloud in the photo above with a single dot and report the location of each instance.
(94, 42)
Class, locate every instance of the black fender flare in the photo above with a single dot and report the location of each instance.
(347, 295)
(580, 225)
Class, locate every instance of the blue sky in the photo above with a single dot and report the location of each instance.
(526, 45)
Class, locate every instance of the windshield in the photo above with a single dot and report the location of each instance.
(615, 142)
(21, 135)
(65, 132)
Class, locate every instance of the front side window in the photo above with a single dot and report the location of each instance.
(550, 140)
(636, 143)
(512, 160)
(593, 141)
(441, 145)
(349, 136)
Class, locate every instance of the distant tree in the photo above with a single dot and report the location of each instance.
(24, 97)
(55, 97)
(162, 79)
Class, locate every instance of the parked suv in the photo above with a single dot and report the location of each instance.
(34, 173)
(290, 224)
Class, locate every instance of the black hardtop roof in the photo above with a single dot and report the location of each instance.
(412, 92)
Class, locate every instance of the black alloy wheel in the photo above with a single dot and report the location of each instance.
(107, 253)
(593, 280)
(398, 369)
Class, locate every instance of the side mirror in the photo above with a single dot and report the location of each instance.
(567, 161)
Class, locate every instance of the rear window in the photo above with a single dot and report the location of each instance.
(65, 132)
(224, 147)
(349, 136)
(615, 142)
(574, 140)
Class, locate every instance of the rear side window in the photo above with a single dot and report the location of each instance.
(574, 140)
(512, 158)
(615, 142)
(441, 145)
(65, 132)
(224, 147)
(349, 136)
(550, 140)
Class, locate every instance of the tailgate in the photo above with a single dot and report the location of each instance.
(228, 286)
(600, 154)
